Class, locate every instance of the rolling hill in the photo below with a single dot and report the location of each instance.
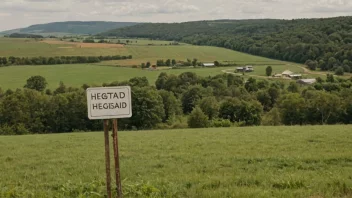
(327, 42)
(71, 27)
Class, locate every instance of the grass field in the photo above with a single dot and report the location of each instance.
(77, 75)
(142, 53)
(309, 161)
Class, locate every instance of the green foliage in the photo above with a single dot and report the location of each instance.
(172, 106)
(191, 97)
(139, 81)
(340, 71)
(251, 85)
(293, 87)
(58, 60)
(269, 71)
(37, 83)
(210, 106)
(222, 97)
(272, 118)
(220, 123)
(292, 108)
(323, 105)
(312, 65)
(147, 108)
(197, 119)
(241, 111)
(22, 35)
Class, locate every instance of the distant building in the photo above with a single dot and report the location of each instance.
(239, 69)
(208, 64)
(295, 76)
(287, 73)
(248, 68)
(306, 81)
(277, 75)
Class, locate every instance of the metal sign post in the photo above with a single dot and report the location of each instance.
(110, 103)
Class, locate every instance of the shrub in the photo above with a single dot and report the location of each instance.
(221, 123)
(6, 130)
(339, 71)
(269, 71)
(198, 119)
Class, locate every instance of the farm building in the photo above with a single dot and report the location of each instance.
(306, 81)
(248, 68)
(208, 64)
(277, 75)
(295, 76)
(287, 73)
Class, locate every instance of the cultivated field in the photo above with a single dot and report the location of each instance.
(234, 162)
(141, 53)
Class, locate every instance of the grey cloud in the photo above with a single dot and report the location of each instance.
(332, 9)
(27, 12)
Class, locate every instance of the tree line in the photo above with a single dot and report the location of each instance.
(24, 35)
(328, 42)
(7, 61)
(182, 101)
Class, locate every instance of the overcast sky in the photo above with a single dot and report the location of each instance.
(22, 13)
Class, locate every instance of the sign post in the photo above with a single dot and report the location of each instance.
(110, 103)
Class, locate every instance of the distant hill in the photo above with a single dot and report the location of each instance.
(71, 27)
(326, 42)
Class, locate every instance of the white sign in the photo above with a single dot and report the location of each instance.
(109, 102)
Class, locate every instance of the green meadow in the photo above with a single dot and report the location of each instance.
(76, 75)
(310, 161)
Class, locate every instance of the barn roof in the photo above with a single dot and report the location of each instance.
(287, 72)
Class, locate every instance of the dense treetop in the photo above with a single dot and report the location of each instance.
(327, 41)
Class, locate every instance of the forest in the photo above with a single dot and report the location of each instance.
(323, 43)
(182, 101)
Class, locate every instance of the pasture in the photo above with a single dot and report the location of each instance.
(76, 75)
(310, 161)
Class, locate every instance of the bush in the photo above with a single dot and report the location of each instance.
(6, 130)
(198, 119)
(269, 71)
(221, 123)
(339, 71)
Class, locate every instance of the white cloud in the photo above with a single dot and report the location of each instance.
(27, 12)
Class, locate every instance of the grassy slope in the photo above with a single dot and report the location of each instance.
(76, 75)
(235, 162)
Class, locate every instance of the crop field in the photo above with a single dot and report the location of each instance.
(76, 75)
(310, 161)
(141, 53)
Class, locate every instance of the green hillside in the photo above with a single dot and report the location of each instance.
(71, 27)
(327, 42)
(310, 161)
